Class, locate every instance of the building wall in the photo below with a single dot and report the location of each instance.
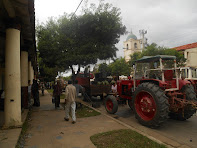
(130, 48)
(191, 56)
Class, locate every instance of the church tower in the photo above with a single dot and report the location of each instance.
(131, 45)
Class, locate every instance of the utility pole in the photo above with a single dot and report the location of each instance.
(144, 40)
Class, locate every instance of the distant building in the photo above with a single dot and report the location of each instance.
(190, 53)
(131, 45)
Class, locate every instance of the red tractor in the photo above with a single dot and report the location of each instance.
(155, 92)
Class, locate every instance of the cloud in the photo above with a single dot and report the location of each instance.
(169, 23)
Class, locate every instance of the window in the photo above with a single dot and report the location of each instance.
(127, 46)
(135, 45)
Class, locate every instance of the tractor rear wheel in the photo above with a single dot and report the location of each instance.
(188, 110)
(150, 105)
(111, 104)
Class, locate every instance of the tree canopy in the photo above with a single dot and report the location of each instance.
(154, 49)
(117, 68)
(120, 67)
(68, 43)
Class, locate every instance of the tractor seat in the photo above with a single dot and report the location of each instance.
(168, 74)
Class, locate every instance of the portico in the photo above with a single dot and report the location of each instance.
(18, 60)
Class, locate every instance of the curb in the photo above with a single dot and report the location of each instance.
(128, 126)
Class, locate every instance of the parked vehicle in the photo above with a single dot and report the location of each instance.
(93, 88)
(155, 92)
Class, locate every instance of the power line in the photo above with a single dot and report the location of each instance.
(77, 9)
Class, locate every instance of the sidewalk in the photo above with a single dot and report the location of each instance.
(9, 137)
(48, 128)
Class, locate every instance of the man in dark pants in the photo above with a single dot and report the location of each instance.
(35, 93)
(56, 93)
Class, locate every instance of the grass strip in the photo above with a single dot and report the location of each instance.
(84, 111)
(124, 138)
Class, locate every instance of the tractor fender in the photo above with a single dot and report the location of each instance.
(159, 83)
(183, 83)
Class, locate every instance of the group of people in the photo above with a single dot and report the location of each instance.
(71, 93)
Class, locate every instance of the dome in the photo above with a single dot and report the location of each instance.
(131, 36)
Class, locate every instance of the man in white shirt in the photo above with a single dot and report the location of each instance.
(114, 87)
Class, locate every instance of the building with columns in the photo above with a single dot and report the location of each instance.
(131, 45)
(18, 61)
(190, 53)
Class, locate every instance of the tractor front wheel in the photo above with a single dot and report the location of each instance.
(150, 105)
(188, 110)
(111, 104)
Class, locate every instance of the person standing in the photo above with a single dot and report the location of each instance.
(29, 93)
(70, 104)
(56, 93)
(78, 87)
(35, 93)
(114, 87)
(42, 88)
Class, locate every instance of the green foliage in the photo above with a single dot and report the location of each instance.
(134, 57)
(67, 78)
(124, 138)
(49, 57)
(91, 36)
(120, 67)
(154, 49)
(47, 73)
(48, 39)
(63, 43)
(104, 68)
(85, 111)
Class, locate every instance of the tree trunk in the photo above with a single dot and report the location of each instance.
(74, 75)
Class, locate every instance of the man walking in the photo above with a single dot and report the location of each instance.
(29, 93)
(35, 93)
(70, 104)
(56, 93)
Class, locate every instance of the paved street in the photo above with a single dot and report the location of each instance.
(184, 132)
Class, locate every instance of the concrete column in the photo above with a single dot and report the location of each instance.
(12, 102)
(29, 72)
(24, 79)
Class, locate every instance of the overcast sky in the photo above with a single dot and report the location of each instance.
(169, 23)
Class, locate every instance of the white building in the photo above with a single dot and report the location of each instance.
(190, 53)
(131, 45)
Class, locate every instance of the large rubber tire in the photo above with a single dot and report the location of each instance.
(150, 105)
(111, 104)
(188, 110)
